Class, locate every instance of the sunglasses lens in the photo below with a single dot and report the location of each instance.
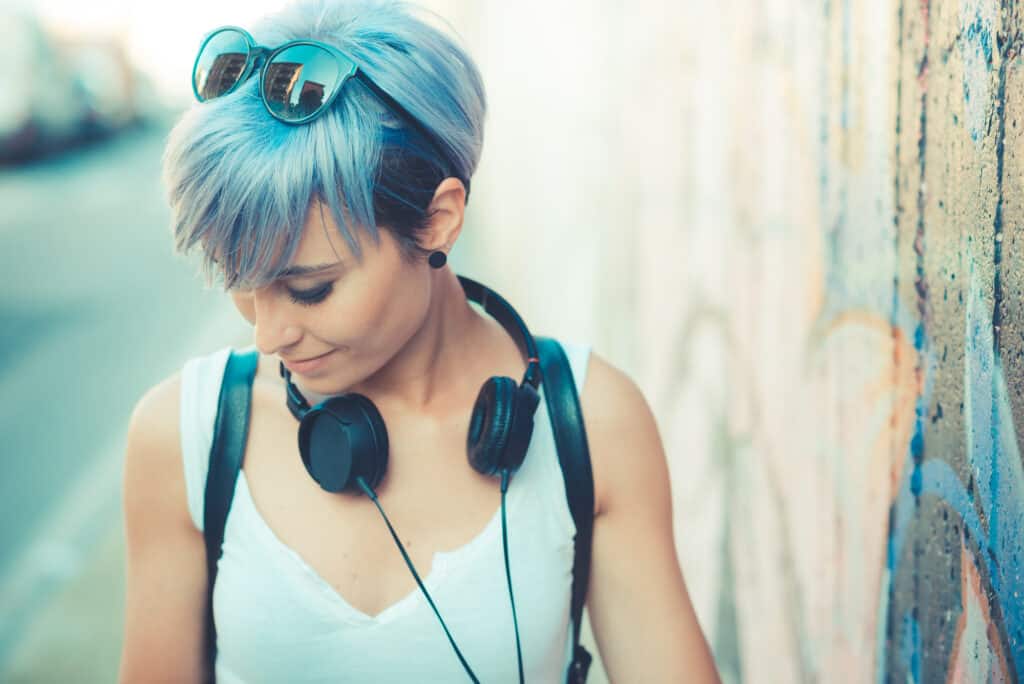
(220, 64)
(299, 80)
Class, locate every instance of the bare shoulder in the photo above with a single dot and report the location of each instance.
(640, 611)
(621, 430)
(165, 554)
(608, 390)
(154, 492)
(153, 447)
(158, 407)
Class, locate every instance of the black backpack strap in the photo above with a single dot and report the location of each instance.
(229, 435)
(574, 457)
(228, 449)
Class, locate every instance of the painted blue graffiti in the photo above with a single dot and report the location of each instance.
(976, 21)
(990, 506)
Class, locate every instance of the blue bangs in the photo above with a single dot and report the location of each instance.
(240, 183)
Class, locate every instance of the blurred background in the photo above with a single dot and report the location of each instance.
(795, 224)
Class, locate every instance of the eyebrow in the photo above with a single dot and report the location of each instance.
(297, 271)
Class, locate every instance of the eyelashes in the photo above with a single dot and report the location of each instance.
(301, 297)
(310, 297)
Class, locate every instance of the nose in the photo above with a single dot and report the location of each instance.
(274, 326)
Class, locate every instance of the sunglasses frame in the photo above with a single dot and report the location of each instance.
(259, 56)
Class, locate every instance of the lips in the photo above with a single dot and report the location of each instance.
(307, 365)
(312, 358)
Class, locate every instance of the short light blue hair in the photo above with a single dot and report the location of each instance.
(240, 183)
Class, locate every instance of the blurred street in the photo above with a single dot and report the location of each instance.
(95, 311)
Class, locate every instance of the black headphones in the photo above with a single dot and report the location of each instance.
(344, 443)
(344, 437)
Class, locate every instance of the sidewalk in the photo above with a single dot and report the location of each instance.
(77, 636)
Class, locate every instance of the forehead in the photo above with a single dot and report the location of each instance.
(323, 241)
(322, 238)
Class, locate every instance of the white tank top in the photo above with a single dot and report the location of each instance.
(278, 621)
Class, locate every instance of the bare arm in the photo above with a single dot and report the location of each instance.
(166, 557)
(643, 622)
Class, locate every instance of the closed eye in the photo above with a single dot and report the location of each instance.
(310, 297)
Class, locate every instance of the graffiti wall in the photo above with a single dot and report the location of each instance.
(953, 580)
(799, 226)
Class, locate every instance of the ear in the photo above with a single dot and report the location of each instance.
(448, 209)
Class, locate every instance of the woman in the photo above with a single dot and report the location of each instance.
(328, 211)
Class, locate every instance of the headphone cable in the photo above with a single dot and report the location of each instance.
(373, 497)
(508, 573)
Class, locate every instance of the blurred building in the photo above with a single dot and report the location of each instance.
(63, 87)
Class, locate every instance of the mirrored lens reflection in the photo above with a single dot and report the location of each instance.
(220, 64)
(298, 80)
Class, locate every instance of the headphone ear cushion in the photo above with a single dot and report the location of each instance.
(342, 439)
(490, 424)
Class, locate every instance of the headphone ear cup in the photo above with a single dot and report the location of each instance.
(525, 400)
(342, 439)
(490, 424)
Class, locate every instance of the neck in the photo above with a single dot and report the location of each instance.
(420, 376)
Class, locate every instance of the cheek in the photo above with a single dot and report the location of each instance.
(385, 312)
(361, 310)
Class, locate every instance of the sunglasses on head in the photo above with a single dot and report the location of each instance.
(298, 80)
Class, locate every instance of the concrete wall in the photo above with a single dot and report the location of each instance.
(798, 226)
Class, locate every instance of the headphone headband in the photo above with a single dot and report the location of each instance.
(495, 306)
(499, 309)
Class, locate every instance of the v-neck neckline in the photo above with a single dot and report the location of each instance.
(441, 562)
